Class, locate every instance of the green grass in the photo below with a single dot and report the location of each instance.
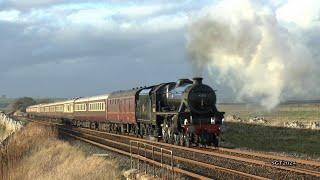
(4, 102)
(275, 139)
(277, 116)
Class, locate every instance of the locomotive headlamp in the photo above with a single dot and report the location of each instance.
(213, 120)
(185, 121)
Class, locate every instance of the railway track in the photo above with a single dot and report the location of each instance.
(238, 160)
(208, 163)
(307, 167)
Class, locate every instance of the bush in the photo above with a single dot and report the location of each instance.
(21, 104)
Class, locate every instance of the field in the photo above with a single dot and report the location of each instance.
(272, 136)
(302, 112)
(296, 142)
(4, 102)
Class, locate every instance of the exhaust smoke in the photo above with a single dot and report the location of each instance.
(263, 53)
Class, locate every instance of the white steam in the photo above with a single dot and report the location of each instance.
(262, 53)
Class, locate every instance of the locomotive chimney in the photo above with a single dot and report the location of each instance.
(197, 80)
(181, 82)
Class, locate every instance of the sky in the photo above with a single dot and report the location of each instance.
(80, 48)
(61, 48)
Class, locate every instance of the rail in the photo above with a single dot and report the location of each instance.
(148, 156)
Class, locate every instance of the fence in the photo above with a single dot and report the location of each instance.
(146, 155)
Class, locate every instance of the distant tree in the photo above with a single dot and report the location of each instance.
(45, 101)
(21, 104)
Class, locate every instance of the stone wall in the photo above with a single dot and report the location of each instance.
(262, 120)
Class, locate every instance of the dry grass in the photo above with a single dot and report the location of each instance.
(7, 126)
(36, 153)
(2, 131)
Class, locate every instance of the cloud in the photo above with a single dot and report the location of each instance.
(10, 15)
(55, 31)
(86, 44)
(26, 5)
(82, 45)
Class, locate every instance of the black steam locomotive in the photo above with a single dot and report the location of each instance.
(183, 112)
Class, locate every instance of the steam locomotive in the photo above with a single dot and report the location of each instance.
(182, 112)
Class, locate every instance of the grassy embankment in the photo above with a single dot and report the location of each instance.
(35, 153)
(301, 142)
(2, 131)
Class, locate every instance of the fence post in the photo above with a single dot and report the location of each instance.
(131, 163)
(145, 156)
(172, 163)
(154, 170)
(161, 162)
(138, 155)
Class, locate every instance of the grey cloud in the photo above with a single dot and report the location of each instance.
(46, 57)
(87, 64)
(30, 4)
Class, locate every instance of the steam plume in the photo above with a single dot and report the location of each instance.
(262, 53)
